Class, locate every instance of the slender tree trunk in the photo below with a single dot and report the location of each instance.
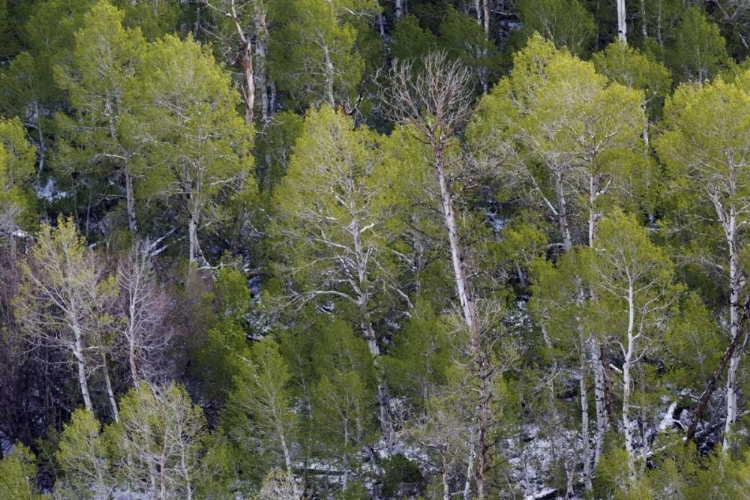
(446, 484)
(469, 313)
(132, 342)
(78, 348)
(592, 344)
(600, 398)
(659, 36)
(626, 385)
(484, 429)
(562, 211)
(163, 469)
(261, 52)
(486, 19)
(40, 137)
(644, 24)
(130, 200)
(287, 460)
(78, 353)
(398, 11)
(193, 238)
(372, 345)
(248, 92)
(133, 365)
(108, 384)
(470, 465)
(329, 73)
(584, 414)
(734, 317)
(622, 28)
(465, 298)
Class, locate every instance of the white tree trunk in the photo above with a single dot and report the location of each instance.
(399, 10)
(470, 466)
(130, 200)
(248, 92)
(735, 286)
(329, 74)
(288, 461)
(81, 360)
(261, 52)
(446, 483)
(621, 25)
(562, 210)
(486, 5)
(108, 385)
(626, 384)
(599, 397)
(465, 298)
(592, 344)
(193, 238)
(585, 416)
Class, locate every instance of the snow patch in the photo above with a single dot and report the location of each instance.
(49, 192)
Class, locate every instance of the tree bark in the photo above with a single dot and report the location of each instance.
(622, 27)
(261, 52)
(600, 397)
(449, 219)
(486, 19)
(108, 385)
(78, 353)
(446, 484)
(130, 200)
(193, 238)
(584, 414)
(470, 466)
(734, 359)
(562, 210)
(248, 92)
(626, 385)
(711, 386)
(329, 77)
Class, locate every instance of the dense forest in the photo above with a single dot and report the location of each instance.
(374, 249)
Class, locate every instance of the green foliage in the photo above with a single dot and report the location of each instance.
(98, 144)
(18, 475)
(259, 418)
(400, 475)
(696, 157)
(197, 145)
(699, 51)
(82, 458)
(596, 140)
(565, 23)
(409, 41)
(232, 294)
(693, 344)
(627, 66)
(273, 148)
(17, 159)
(154, 17)
(335, 204)
(316, 55)
(418, 361)
(463, 39)
(159, 430)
